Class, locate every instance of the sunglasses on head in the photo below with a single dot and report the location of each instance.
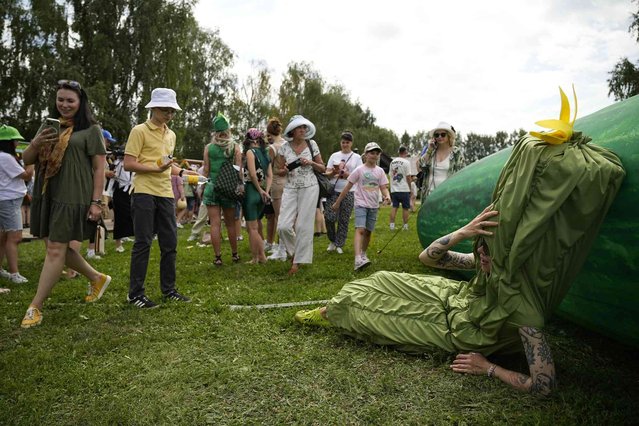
(440, 135)
(69, 83)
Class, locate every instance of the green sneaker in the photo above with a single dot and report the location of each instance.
(313, 317)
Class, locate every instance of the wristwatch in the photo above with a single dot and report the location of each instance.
(97, 202)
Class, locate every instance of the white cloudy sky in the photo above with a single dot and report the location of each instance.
(483, 66)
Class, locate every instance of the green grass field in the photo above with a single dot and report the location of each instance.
(201, 363)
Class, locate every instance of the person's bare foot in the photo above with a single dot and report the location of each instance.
(294, 268)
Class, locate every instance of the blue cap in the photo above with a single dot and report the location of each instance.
(107, 135)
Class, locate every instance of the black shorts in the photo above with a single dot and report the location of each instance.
(402, 198)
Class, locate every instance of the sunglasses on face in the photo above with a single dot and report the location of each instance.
(69, 83)
(167, 110)
(440, 135)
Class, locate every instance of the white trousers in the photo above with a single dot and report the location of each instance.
(297, 222)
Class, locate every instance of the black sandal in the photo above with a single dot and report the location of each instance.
(235, 257)
(218, 260)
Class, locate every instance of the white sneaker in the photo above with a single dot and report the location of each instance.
(365, 258)
(179, 225)
(274, 248)
(278, 255)
(392, 226)
(4, 273)
(361, 263)
(405, 227)
(120, 249)
(16, 278)
(91, 255)
(126, 239)
(339, 250)
(192, 238)
(267, 246)
(331, 247)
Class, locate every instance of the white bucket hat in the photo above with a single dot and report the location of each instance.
(443, 126)
(162, 97)
(372, 146)
(297, 121)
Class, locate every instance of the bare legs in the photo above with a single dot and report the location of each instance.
(9, 241)
(361, 241)
(215, 216)
(59, 254)
(255, 241)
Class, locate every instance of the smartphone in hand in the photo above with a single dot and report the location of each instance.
(50, 123)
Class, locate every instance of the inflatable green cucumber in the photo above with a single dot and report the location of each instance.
(605, 295)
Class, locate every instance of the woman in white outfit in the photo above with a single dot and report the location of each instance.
(301, 190)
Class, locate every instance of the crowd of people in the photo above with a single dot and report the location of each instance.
(274, 174)
(151, 196)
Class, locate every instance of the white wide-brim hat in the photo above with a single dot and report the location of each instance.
(297, 121)
(163, 98)
(443, 126)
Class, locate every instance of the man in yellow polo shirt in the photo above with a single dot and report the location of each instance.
(148, 153)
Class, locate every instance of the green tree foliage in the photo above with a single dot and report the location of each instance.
(624, 77)
(252, 102)
(119, 50)
(476, 146)
(329, 107)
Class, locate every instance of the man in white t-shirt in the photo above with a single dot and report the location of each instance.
(400, 186)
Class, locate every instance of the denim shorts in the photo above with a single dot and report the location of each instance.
(11, 215)
(365, 217)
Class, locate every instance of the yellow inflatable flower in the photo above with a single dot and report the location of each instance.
(562, 128)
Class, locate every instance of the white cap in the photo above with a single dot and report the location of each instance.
(372, 146)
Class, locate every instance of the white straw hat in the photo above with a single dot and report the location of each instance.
(443, 126)
(162, 97)
(297, 121)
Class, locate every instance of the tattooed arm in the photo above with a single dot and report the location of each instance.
(542, 379)
(438, 253)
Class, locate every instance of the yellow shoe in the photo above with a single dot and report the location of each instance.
(96, 289)
(32, 318)
(313, 317)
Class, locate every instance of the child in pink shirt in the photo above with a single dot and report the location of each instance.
(368, 180)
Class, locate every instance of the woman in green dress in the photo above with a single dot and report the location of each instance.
(257, 185)
(217, 152)
(67, 194)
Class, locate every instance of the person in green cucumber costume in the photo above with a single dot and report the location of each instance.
(547, 207)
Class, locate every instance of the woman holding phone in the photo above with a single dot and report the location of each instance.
(67, 194)
(441, 158)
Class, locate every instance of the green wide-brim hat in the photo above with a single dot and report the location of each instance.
(220, 123)
(8, 133)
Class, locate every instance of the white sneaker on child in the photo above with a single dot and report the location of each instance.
(361, 263)
(91, 255)
(331, 247)
(405, 227)
(120, 249)
(279, 254)
(4, 273)
(392, 226)
(339, 250)
(16, 278)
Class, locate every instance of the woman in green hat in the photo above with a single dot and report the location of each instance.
(216, 153)
(12, 191)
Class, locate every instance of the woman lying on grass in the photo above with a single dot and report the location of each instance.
(413, 312)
